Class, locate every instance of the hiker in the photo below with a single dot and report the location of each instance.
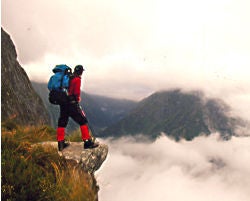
(73, 109)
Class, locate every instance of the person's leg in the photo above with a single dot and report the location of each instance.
(85, 132)
(62, 123)
(78, 116)
(60, 133)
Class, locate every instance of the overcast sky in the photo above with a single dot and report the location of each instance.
(133, 48)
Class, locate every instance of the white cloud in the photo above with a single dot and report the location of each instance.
(133, 48)
(203, 169)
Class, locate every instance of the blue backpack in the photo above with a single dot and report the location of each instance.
(58, 84)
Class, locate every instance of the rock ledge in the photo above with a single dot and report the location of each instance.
(89, 159)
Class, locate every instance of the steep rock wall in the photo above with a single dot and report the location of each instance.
(88, 160)
(19, 101)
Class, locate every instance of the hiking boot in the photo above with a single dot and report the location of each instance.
(89, 144)
(62, 145)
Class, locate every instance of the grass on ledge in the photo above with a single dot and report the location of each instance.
(37, 172)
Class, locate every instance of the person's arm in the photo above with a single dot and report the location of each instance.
(77, 90)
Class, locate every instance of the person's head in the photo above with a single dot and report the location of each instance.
(78, 70)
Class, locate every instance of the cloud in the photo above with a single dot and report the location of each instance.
(203, 169)
(134, 48)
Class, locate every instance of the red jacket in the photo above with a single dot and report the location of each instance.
(75, 88)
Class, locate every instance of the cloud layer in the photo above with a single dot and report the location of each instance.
(203, 169)
(133, 48)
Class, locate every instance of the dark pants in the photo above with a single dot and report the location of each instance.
(74, 111)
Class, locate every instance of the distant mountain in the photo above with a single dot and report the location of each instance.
(178, 114)
(112, 109)
(101, 111)
(19, 101)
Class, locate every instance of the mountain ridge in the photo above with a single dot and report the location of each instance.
(178, 114)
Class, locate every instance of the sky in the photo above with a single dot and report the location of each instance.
(205, 168)
(131, 49)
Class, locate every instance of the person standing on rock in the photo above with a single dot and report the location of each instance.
(73, 109)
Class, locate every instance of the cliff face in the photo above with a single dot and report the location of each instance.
(88, 160)
(19, 100)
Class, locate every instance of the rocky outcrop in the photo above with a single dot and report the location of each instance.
(89, 159)
(19, 101)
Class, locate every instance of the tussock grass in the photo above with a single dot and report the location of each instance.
(38, 172)
(75, 136)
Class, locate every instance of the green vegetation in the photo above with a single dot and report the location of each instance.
(75, 136)
(34, 172)
(181, 115)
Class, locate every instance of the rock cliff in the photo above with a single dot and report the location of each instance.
(19, 100)
(89, 159)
